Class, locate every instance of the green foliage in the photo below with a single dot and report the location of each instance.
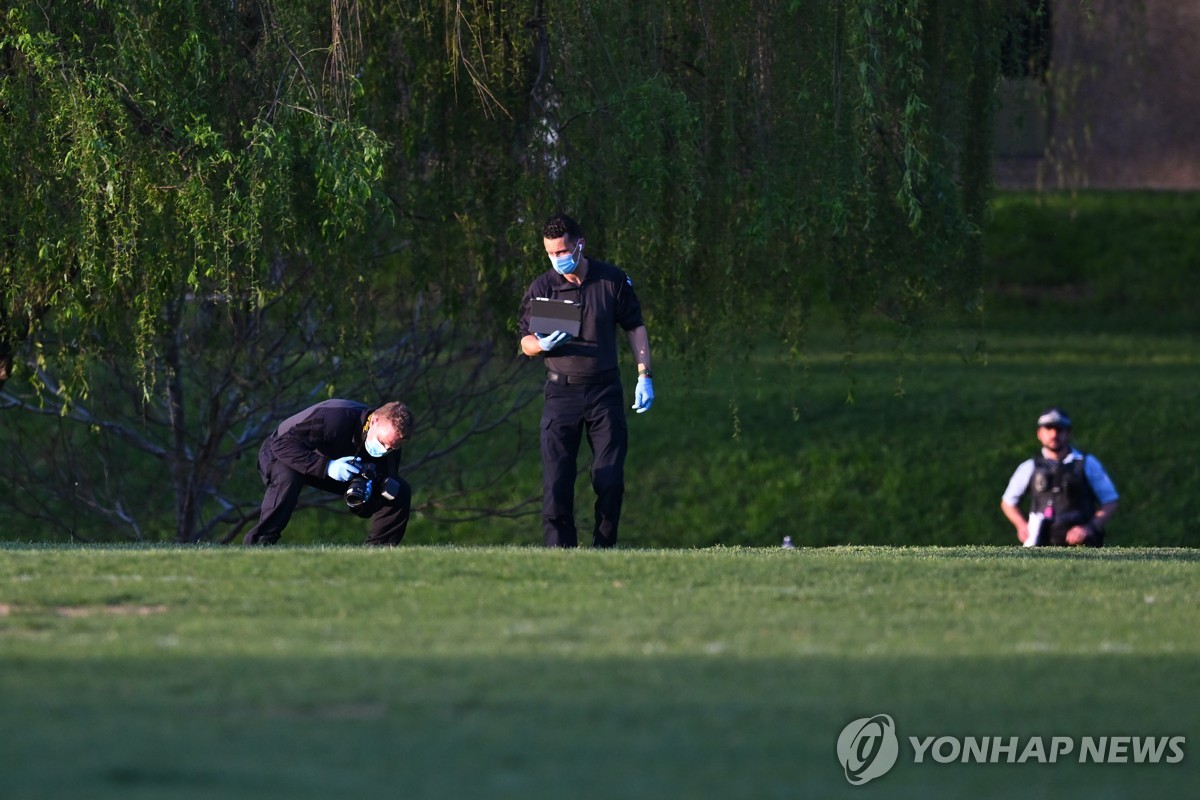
(493, 672)
(718, 152)
(1125, 256)
(161, 160)
(152, 149)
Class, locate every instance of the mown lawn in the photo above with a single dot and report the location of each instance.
(500, 672)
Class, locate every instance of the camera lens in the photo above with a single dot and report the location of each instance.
(356, 494)
(358, 491)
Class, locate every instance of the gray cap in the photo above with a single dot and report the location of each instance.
(1054, 418)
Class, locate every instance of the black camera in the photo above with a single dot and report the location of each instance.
(365, 484)
(361, 487)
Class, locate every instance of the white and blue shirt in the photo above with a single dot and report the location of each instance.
(1101, 484)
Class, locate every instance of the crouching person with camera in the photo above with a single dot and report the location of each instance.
(343, 447)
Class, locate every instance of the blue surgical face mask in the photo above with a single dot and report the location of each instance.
(375, 448)
(566, 264)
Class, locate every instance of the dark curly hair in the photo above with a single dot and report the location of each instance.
(561, 225)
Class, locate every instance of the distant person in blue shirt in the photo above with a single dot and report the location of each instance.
(1071, 496)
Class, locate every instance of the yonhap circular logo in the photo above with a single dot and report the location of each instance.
(868, 748)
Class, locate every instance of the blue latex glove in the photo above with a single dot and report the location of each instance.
(343, 469)
(549, 341)
(643, 395)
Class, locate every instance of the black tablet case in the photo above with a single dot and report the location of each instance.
(547, 315)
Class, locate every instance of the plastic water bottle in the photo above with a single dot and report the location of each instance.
(787, 543)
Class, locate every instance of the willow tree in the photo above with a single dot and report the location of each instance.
(179, 177)
(168, 170)
(180, 182)
(721, 152)
(151, 148)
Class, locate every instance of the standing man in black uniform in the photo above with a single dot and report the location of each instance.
(583, 385)
(325, 446)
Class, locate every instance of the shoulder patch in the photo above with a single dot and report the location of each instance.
(628, 279)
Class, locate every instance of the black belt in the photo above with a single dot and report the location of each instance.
(612, 376)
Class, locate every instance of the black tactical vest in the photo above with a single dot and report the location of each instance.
(1063, 491)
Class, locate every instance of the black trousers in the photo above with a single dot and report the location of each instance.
(389, 518)
(572, 412)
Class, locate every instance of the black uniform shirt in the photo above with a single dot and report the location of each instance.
(332, 429)
(608, 300)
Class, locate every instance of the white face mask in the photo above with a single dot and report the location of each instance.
(375, 449)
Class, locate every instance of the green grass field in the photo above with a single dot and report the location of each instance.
(439, 672)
